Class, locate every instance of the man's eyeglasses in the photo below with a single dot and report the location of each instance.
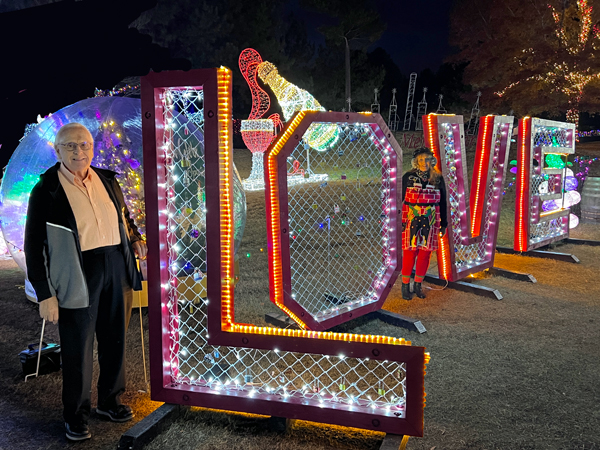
(72, 146)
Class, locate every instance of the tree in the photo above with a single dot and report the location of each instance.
(328, 75)
(533, 57)
(212, 33)
(357, 26)
(449, 83)
(392, 77)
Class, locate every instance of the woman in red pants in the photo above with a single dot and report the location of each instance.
(424, 218)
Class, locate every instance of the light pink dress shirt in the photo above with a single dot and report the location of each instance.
(95, 213)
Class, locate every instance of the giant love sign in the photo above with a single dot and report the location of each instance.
(199, 354)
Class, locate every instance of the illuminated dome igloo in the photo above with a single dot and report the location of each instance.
(115, 124)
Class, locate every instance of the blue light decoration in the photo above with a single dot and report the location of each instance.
(571, 183)
(550, 205)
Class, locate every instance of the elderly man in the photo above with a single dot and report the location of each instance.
(79, 246)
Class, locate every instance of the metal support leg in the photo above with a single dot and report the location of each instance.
(466, 287)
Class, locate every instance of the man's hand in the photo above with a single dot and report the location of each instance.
(140, 249)
(49, 309)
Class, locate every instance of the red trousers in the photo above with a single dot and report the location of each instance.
(408, 262)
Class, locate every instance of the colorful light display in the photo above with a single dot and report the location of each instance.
(200, 355)
(293, 99)
(334, 244)
(128, 89)
(257, 135)
(584, 163)
(256, 132)
(470, 242)
(249, 61)
(542, 149)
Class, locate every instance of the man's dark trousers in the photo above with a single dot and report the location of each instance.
(106, 278)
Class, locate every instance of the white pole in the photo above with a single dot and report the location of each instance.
(37, 369)
(143, 347)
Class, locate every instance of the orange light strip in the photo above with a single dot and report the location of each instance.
(277, 270)
(275, 257)
(431, 136)
(444, 250)
(226, 195)
(522, 209)
(293, 316)
(480, 180)
(326, 335)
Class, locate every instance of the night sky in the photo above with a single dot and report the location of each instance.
(36, 79)
(417, 32)
(416, 36)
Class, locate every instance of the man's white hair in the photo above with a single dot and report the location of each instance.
(67, 127)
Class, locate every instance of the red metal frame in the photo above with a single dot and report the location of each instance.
(525, 215)
(522, 210)
(216, 84)
(276, 192)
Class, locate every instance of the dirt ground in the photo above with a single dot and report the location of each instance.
(520, 373)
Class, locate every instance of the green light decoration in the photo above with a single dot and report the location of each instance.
(322, 136)
(554, 161)
(21, 189)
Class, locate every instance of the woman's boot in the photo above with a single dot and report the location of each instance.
(406, 294)
(419, 290)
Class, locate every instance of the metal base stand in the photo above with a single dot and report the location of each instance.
(519, 276)
(582, 242)
(278, 424)
(566, 257)
(149, 427)
(398, 320)
(463, 286)
(281, 321)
